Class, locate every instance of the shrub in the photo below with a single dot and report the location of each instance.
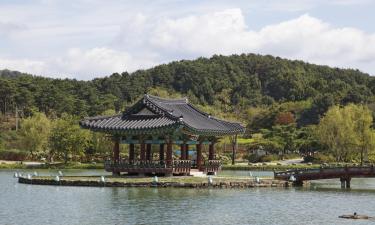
(265, 158)
(268, 158)
(291, 156)
(14, 155)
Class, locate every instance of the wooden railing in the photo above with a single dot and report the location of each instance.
(148, 166)
(327, 173)
(212, 166)
(181, 166)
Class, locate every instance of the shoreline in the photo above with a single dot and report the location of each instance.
(163, 182)
(268, 167)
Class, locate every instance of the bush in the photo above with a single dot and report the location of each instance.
(13, 155)
(291, 156)
(265, 158)
(268, 158)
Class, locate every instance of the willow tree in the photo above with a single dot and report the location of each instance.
(347, 133)
(365, 141)
(35, 132)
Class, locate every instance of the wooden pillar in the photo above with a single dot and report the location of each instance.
(182, 150)
(199, 155)
(169, 153)
(116, 155)
(116, 151)
(211, 151)
(187, 152)
(143, 151)
(148, 152)
(131, 153)
(161, 152)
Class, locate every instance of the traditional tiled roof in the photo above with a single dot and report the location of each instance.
(153, 113)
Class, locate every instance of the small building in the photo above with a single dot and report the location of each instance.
(166, 123)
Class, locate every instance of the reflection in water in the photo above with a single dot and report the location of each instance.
(27, 204)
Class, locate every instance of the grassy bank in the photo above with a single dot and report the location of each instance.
(53, 166)
(269, 167)
(101, 166)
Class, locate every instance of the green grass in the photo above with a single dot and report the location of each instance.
(12, 166)
(245, 140)
(269, 167)
(53, 166)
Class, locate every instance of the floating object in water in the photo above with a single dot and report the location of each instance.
(210, 181)
(355, 216)
(35, 173)
(155, 179)
(250, 174)
(16, 175)
(102, 179)
(60, 173)
(57, 178)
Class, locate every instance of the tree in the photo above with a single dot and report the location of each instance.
(67, 138)
(365, 141)
(284, 118)
(284, 135)
(346, 132)
(35, 132)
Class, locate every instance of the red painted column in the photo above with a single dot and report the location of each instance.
(161, 152)
(116, 151)
(143, 151)
(199, 155)
(187, 152)
(116, 155)
(131, 153)
(211, 151)
(169, 153)
(148, 152)
(182, 150)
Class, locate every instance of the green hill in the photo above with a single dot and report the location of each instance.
(230, 84)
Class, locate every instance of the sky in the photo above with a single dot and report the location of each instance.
(85, 39)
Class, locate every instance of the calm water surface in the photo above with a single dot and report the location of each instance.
(322, 203)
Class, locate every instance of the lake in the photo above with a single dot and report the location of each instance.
(321, 203)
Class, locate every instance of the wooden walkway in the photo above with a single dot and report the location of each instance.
(343, 173)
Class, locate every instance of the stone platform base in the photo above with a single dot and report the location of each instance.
(172, 182)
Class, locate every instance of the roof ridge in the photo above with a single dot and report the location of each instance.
(101, 117)
(167, 100)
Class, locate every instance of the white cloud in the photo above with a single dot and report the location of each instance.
(23, 65)
(78, 63)
(143, 39)
(226, 32)
(99, 61)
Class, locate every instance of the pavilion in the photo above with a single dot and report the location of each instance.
(166, 123)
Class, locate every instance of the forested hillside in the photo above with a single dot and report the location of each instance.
(233, 83)
(261, 91)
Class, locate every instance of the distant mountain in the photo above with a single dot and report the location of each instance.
(11, 74)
